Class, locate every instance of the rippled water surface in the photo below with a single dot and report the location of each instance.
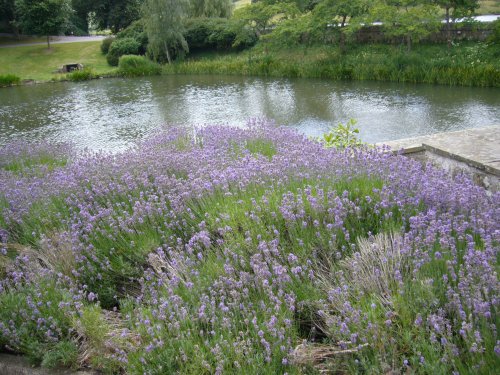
(111, 114)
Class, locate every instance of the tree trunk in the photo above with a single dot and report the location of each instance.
(448, 27)
(48, 42)
(408, 43)
(167, 52)
(342, 35)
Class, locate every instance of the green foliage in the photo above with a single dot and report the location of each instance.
(457, 8)
(408, 20)
(136, 31)
(465, 65)
(32, 340)
(9, 80)
(342, 136)
(106, 43)
(134, 66)
(337, 12)
(210, 8)
(120, 47)
(494, 38)
(292, 32)
(163, 22)
(264, 14)
(43, 17)
(42, 160)
(80, 16)
(218, 34)
(114, 15)
(81, 75)
(63, 354)
(261, 146)
(93, 326)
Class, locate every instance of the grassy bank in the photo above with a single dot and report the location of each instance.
(474, 64)
(488, 7)
(467, 64)
(39, 63)
(253, 251)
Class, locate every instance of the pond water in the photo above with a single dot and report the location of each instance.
(111, 114)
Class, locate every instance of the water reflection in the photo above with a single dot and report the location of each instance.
(113, 113)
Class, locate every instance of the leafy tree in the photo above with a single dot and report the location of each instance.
(7, 13)
(163, 22)
(341, 10)
(43, 17)
(455, 9)
(335, 13)
(211, 8)
(411, 20)
(80, 16)
(263, 14)
(217, 33)
(295, 31)
(115, 14)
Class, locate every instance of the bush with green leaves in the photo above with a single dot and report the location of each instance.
(342, 136)
(219, 34)
(120, 47)
(133, 66)
(106, 43)
(81, 75)
(9, 80)
(494, 38)
(136, 31)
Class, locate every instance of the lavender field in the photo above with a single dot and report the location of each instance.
(252, 251)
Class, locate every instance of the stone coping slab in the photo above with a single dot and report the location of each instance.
(478, 147)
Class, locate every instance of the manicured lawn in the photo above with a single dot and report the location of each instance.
(40, 63)
(21, 40)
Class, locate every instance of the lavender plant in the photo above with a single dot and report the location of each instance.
(246, 250)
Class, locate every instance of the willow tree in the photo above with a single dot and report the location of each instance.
(163, 22)
(211, 8)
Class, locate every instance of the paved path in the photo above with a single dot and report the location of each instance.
(58, 40)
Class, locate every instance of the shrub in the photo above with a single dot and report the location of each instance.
(9, 79)
(136, 31)
(494, 38)
(218, 33)
(120, 47)
(81, 75)
(106, 43)
(133, 66)
(342, 136)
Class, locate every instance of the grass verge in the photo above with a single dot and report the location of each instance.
(474, 64)
(39, 63)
